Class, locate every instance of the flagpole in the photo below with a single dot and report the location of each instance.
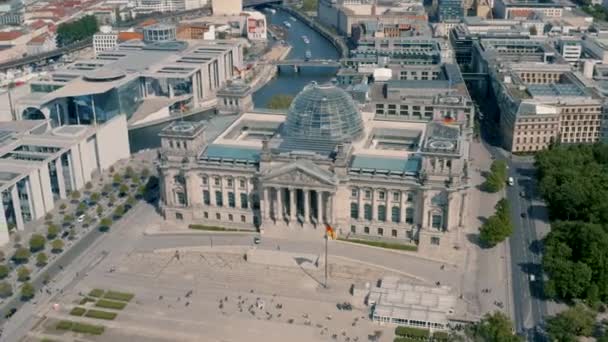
(326, 238)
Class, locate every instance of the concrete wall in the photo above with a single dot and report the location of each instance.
(113, 142)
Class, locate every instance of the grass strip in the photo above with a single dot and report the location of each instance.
(77, 311)
(383, 244)
(81, 327)
(121, 296)
(96, 293)
(110, 304)
(215, 228)
(101, 314)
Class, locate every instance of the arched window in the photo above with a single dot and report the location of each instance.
(409, 215)
(368, 211)
(354, 210)
(395, 214)
(32, 113)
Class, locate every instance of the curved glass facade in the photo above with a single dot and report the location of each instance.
(324, 112)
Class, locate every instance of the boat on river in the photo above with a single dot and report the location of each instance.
(306, 40)
(308, 55)
(287, 24)
(293, 19)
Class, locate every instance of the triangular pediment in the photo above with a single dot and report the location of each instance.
(301, 173)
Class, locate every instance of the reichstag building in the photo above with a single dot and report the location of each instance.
(324, 162)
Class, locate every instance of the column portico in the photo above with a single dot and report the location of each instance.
(279, 209)
(319, 207)
(306, 196)
(292, 205)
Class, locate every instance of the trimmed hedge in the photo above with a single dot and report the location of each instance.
(405, 339)
(85, 300)
(383, 244)
(96, 293)
(414, 333)
(110, 304)
(216, 228)
(441, 336)
(121, 296)
(101, 314)
(77, 311)
(80, 327)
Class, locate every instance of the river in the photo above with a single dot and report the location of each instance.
(283, 83)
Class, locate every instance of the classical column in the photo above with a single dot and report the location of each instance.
(292, 205)
(237, 199)
(211, 196)
(463, 207)
(60, 179)
(374, 206)
(319, 207)
(423, 210)
(279, 211)
(402, 197)
(333, 209)
(306, 205)
(266, 204)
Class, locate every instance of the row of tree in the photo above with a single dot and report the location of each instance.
(497, 177)
(497, 227)
(574, 182)
(77, 30)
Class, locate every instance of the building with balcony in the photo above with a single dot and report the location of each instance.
(323, 163)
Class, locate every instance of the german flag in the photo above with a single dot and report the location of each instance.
(331, 232)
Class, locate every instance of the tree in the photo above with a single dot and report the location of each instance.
(141, 190)
(27, 291)
(111, 200)
(52, 231)
(497, 227)
(75, 195)
(131, 201)
(37, 242)
(533, 30)
(2, 257)
(145, 173)
(95, 197)
(129, 173)
(41, 260)
(496, 327)
(497, 177)
(119, 211)
(116, 179)
(23, 273)
(71, 234)
(309, 5)
(82, 207)
(88, 186)
(99, 210)
(21, 255)
(63, 206)
(280, 101)
(77, 30)
(6, 290)
(568, 325)
(107, 188)
(4, 271)
(67, 219)
(48, 216)
(122, 191)
(56, 246)
(105, 224)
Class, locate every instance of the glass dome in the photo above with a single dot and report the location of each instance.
(324, 112)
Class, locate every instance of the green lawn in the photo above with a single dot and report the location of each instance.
(383, 244)
(80, 327)
(101, 314)
(85, 300)
(121, 296)
(96, 293)
(110, 304)
(77, 311)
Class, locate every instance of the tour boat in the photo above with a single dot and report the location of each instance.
(287, 24)
(308, 54)
(292, 19)
(305, 39)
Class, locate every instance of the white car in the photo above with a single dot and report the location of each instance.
(511, 181)
(80, 218)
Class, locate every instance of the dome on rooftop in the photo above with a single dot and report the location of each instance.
(324, 112)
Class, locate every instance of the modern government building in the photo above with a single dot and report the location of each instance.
(402, 179)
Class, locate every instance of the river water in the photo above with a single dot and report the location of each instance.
(283, 83)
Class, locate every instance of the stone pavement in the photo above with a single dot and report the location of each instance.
(485, 268)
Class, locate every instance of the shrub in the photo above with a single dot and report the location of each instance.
(440, 336)
(101, 314)
(41, 260)
(57, 246)
(116, 179)
(63, 206)
(95, 197)
(64, 325)
(6, 289)
(37, 242)
(109, 304)
(23, 273)
(85, 300)
(96, 293)
(4, 270)
(383, 244)
(99, 210)
(27, 291)
(52, 231)
(121, 296)
(89, 186)
(77, 311)
(21, 255)
(75, 195)
(48, 216)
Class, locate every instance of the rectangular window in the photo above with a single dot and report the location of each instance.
(354, 193)
(367, 211)
(380, 231)
(205, 180)
(382, 213)
(396, 196)
(231, 200)
(244, 201)
(394, 233)
(354, 210)
(410, 197)
(353, 229)
(242, 184)
(181, 198)
(230, 217)
(395, 217)
(436, 221)
(243, 218)
(218, 216)
(206, 197)
(381, 195)
(409, 215)
(366, 230)
(217, 181)
(368, 194)
(206, 215)
(229, 182)
(219, 199)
